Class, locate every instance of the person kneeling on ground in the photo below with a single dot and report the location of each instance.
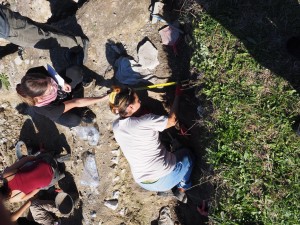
(46, 212)
(152, 166)
(40, 91)
(22, 31)
(26, 177)
(42, 211)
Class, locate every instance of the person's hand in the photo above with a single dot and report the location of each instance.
(67, 88)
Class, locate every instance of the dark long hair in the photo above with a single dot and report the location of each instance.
(120, 99)
(32, 85)
(4, 189)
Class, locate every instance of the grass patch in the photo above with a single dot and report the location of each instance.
(255, 153)
(4, 80)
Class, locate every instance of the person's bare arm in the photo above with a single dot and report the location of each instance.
(14, 167)
(30, 195)
(82, 102)
(22, 197)
(172, 119)
(16, 215)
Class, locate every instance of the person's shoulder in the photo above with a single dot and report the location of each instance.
(146, 116)
(53, 110)
(151, 116)
(116, 124)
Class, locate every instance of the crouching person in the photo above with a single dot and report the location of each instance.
(153, 167)
(46, 212)
(26, 177)
(39, 90)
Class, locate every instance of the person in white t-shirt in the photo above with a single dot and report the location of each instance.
(153, 167)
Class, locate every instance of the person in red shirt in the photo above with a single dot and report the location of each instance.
(21, 182)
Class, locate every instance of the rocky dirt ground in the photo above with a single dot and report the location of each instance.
(103, 22)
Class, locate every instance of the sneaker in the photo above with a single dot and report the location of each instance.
(87, 82)
(21, 150)
(165, 216)
(165, 193)
(85, 49)
(180, 195)
(63, 158)
(88, 116)
(61, 176)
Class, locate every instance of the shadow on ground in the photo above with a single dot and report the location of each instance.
(68, 185)
(264, 27)
(7, 50)
(41, 130)
(63, 8)
(64, 20)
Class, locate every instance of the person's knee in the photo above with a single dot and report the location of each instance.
(35, 205)
(69, 120)
(75, 73)
(188, 161)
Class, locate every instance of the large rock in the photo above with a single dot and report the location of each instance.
(119, 21)
(37, 10)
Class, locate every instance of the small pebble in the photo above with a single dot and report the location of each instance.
(112, 204)
(116, 194)
(115, 160)
(93, 214)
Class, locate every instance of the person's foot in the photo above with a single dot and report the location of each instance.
(85, 48)
(22, 150)
(61, 176)
(63, 158)
(88, 116)
(165, 216)
(165, 193)
(180, 195)
(87, 82)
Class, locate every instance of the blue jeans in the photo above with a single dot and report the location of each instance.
(179, 177)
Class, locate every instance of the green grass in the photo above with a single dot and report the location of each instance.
(255, 152)
(4, 80)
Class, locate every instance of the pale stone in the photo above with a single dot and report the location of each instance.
(18, 61)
